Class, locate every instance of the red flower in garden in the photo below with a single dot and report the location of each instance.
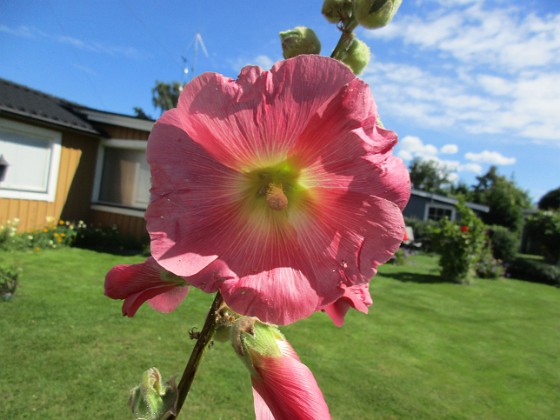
(464, 228)
(278, 189)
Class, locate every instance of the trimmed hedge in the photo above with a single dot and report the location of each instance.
(535, 271)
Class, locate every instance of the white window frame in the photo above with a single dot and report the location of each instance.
(439, 206)
(140, 145)
(54, 139)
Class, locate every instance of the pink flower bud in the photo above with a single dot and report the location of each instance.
(283, 387)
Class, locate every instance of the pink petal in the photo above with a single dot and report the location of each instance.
(168, 301)
(137, 283)
(278, 267)
(288, 389)
(213, 108)
(357, 297)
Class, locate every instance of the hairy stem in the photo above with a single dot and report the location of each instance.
(345, 38)
(202, 342)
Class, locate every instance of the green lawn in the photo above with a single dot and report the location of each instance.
(427, 349)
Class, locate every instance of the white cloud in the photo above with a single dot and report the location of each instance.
(470, 167)
(412, 146)
(449, 149)
(91, 46)
(263, 61)
(492, 158)
(504, 91)
(504, 37)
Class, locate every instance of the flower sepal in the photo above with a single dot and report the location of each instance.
(153, 400)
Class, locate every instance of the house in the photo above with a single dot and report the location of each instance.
(429, 206)
(62, 160)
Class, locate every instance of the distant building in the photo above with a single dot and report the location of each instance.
(429, 206)
(66, 161)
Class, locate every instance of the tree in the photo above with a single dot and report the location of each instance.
(166, 95)
(505, 199)
(551, 200)
(427, 175)
(139, 113)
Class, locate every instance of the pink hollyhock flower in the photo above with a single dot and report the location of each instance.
(283, 387)
(279, 184)
(357, 297)
(138, 283)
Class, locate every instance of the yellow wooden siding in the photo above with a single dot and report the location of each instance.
(132, 226)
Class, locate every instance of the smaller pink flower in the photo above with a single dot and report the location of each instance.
(148, 281)
(357, 297)
(283, 387)
(464, 228)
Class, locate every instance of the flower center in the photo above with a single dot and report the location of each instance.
(275, 186)
(275, 197)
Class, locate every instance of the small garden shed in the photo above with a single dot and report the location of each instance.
(62, 160)
(429, 206)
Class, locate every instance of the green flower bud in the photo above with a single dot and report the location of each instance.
(374, 14)
(251, 338)
(357, 57)
(336, 10)
(300, 40)
(152, 400)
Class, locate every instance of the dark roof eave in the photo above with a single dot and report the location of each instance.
(449, 200)
(48, 121)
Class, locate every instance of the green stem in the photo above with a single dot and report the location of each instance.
(345, 38)
(198, 351)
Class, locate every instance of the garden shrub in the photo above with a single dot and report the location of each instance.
(8, 282)
(535, 271)
(487, 266)
(53, 235)
(107, 239)
(57, 234)
(544, 227)
(422, 231)
(459, 245)
(503, 242)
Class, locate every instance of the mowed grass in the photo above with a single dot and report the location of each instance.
(428, 349)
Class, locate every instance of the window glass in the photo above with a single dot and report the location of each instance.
(437, 213)
(32, 155)
(125, 178)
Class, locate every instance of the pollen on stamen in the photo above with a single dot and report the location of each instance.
(275, 198)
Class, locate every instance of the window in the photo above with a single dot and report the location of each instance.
(33, 156)
(437, 212)
(123, 176)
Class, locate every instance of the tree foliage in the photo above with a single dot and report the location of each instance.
(551, 200)
(544, 227)
(505, 199)
(166, 95)
(427, 175)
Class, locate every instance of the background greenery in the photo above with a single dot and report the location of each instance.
(428, 349)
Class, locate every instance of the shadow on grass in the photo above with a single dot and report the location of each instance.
(415, 277)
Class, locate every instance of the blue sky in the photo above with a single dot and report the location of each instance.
(466, 83)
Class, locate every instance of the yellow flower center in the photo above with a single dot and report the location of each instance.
(275, 186)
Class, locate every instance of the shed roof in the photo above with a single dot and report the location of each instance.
(22, 101)
(449, 200)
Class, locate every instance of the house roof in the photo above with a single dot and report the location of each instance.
(449, 200)
(22, 101)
